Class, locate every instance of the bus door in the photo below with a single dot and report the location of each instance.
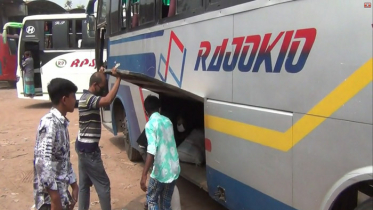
(33, 47)
(33, 40)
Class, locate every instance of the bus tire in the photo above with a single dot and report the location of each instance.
(132, 153)
(366, 205)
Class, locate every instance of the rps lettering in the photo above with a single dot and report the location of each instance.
(84, 62)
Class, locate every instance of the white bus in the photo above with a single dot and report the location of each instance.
(282, 88)
(61, 45)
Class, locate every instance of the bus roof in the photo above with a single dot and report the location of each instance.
(55, 17)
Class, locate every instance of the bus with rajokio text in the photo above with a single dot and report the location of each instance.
(281, 88)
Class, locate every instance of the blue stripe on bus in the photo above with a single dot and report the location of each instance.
(125, 96)
(239, 195)
(138, 37)
(140, 63)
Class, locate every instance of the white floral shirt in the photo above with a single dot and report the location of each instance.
(52, 166)
(161, 143)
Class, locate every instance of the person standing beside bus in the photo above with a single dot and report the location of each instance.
(53, 172)
(162, 154)
(28, 68)
(91, 168)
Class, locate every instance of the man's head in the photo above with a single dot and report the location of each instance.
(152, 104)
(27, 54)
(62, 94)
(97, 83)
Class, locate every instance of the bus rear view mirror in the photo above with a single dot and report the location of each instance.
(90, 7)
(91, 26)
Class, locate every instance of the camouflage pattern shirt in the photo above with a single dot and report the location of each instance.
(52, 166)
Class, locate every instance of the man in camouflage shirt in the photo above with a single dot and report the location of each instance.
(53, 172)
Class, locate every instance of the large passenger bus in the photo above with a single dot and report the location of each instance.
(8, 60)
(61, 46)
(8, 55)
(283, 89)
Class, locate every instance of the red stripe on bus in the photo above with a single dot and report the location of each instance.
(208, 146)
(142, 101)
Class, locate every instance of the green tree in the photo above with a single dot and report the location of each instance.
(80, 6)
(68, 4)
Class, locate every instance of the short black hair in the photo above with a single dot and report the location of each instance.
(152, 104)
(58, 88)
(95, 78)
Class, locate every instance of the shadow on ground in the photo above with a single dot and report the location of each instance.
(42, 105)
(136, 204)
(118, 141)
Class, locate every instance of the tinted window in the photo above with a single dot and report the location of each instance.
(147, 11)
(188, 5)
(13, 45)
(48, 40)
(60, 34)
(78, 30)
(115, 25)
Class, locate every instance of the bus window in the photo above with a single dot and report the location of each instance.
(189, 5)
(168, 8)
(147, 11)
(71, 35)
(135, 11)
(123, 8)
(48, 44)
(78, 31)
(115, 24)
(60, 34)
(13, 44)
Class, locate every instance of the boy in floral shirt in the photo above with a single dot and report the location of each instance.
(163, 153)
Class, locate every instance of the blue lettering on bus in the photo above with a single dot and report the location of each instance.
(261, 48)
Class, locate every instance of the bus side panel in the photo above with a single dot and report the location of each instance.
(253, 176)
(297, 73)
(7, 62)
(329, 152)
(2, 56)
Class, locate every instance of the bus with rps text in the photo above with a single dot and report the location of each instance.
(61, 45)
(282, 90)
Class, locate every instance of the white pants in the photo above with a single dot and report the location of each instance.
(175, 201)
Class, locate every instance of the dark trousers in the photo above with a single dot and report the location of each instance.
(48, 207)
(92, 171)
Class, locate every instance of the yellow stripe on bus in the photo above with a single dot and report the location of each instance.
(325, 108)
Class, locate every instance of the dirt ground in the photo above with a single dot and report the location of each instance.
(19, 119)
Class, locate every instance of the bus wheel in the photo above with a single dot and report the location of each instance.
(366, 205)
(132, 153)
